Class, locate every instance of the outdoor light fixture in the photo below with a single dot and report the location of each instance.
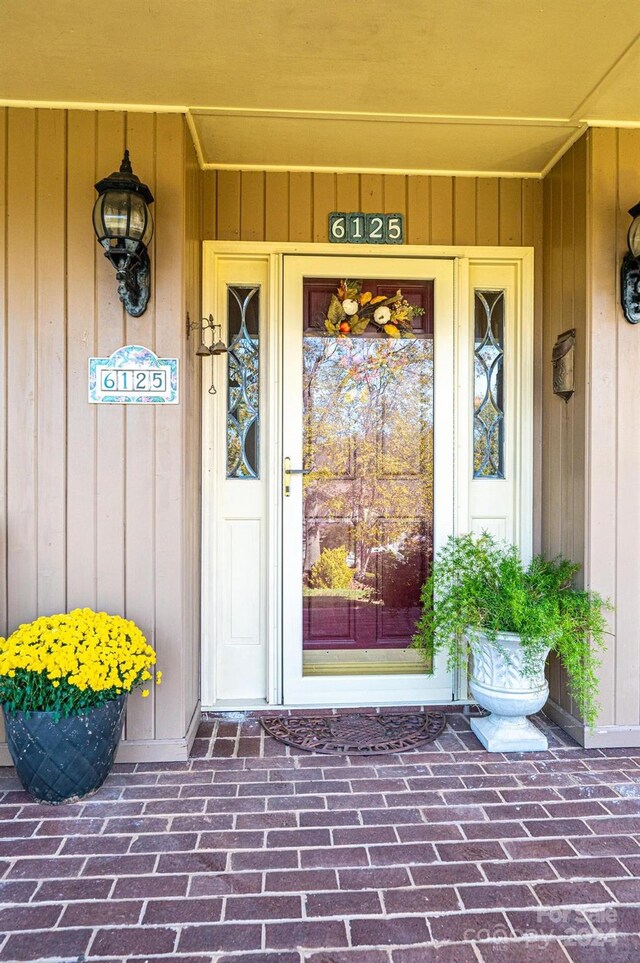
(630, 270)
(124, 226)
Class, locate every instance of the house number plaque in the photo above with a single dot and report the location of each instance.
(133, 375)
(359, 228)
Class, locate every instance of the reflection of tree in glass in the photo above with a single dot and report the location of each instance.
(243, 402)
(369, 442)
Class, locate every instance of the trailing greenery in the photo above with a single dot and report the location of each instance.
(480, 585)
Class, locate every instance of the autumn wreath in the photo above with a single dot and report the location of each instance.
(352, 310)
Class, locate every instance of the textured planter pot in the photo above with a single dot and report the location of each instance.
(498, 684)
(65, 760)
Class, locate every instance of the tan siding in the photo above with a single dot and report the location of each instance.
(101, 506)
(591, 454)
(276, 207)
(210, 198)
(614, 422)
(371, 197)
(139, 445)
(488, 211)
(228, 205)
(564, 307)
(252, 206)
(300, 206)
(395, 194)
(81, 573)
(442, 210)
(464, 213)
(627, 599)
(110, 441)
(605, 325)
(419, 210)
(51, 353)
(22, 576)
(192, 369)
(3, 371)
(438, 210)
(348, 192)
(324, 201)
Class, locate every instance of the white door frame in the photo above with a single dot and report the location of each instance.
(474, 509)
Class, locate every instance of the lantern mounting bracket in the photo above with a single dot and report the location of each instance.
(630, 288)
(134, 284)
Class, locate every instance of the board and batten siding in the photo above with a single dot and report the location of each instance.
(613, 431)
(591, 447)
(564, 423)
(100, 503)
(295, 206)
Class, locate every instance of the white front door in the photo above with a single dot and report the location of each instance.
(310, 597)
(368, 435)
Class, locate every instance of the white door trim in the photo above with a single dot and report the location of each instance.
(467, 260)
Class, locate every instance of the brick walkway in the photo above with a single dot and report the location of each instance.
(251, 852)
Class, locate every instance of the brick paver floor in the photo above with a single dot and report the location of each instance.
(253, 852)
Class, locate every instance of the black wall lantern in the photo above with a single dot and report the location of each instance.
(124, 226)
(630, 270)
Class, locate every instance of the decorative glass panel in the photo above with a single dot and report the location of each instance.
(488, 402)
(243, 382)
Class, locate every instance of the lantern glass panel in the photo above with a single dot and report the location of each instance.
(115, 213)
(138, 217)
(633, 237)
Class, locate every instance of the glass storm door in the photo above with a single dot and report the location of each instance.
(367, 482)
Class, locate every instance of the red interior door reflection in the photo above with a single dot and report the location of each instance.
(368, 497)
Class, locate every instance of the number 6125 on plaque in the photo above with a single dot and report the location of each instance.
(360, 228)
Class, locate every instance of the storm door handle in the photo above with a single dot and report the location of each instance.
(287, 472)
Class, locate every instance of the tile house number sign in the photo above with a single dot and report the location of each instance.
(359, 228)
(133, 375)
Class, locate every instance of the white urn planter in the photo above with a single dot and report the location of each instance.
(499, 684)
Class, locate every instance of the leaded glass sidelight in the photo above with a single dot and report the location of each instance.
(243, 382)
(488, 401)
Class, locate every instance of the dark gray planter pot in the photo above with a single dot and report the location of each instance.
(65, 760)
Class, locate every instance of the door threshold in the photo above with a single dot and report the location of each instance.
(252, 705)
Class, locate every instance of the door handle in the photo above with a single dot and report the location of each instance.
(287, 472)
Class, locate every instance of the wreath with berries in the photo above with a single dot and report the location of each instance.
(352, 310)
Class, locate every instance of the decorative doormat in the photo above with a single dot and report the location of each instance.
(356, 734)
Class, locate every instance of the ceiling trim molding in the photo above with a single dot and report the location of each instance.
(418, 171)
(85, 105)
(627, 124)
(386, 118)
(559, 154)
(580, 126)
(617, 64)
(196, 141)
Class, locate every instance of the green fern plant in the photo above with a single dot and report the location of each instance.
(481, 585)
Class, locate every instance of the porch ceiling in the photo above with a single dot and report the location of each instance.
(486, 86)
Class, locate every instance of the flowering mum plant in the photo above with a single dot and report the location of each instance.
(68, 664)
(352, 310)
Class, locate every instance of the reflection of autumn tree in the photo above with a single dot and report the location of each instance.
(243, 405)
(369, 443)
